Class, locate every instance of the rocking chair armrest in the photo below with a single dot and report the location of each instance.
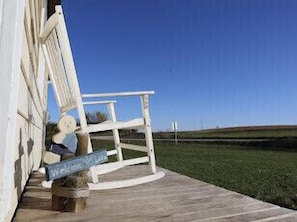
(140, 93)
(99, 102)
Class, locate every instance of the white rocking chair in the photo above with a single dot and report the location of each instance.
(57, 52)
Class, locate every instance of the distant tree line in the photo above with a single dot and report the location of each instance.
(95, 117)
(92, 118)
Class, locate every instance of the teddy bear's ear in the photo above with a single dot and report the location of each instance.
(67, 124)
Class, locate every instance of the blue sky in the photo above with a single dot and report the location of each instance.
(211, 62)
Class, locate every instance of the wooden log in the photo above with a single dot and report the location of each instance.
(50, 157)
(70, 193)
(82, 144)
(58, 202)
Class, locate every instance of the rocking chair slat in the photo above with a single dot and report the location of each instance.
(134, 147)
(109, 125)
(109, 167)
(51, 23)
(117, 94)
(99, 102)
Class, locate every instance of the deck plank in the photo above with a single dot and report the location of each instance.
(172, 198)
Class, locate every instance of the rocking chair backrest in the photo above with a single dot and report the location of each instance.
(58, 56)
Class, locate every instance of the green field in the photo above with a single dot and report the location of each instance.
(266, 175)
(263, 173)
(235, 132)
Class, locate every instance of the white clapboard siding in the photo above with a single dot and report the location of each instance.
(29, 27)
(11, 17)
(23, 100)
(30, 106)
(45, 88)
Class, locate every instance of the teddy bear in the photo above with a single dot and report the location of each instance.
(65, 141)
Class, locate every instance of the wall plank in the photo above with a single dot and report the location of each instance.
(23, 143)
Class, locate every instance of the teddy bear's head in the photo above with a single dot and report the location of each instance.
(67, 124)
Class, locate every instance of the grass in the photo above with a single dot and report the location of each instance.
(236, 132)
(267, 175)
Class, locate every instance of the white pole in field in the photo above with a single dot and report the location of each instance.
(174, 127)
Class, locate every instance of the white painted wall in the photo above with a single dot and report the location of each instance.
(12, 13)
(23, 91)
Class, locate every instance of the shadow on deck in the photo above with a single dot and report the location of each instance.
(173, 198)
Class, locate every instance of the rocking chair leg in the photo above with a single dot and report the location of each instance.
(117, 141)
(94, 174)
(116, 136)
(93, 169)
(151, 153)
(148, 133)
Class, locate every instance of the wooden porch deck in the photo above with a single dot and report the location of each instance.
(172, 198)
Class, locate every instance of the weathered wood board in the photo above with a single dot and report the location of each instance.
(75, 164)
(174, 198)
